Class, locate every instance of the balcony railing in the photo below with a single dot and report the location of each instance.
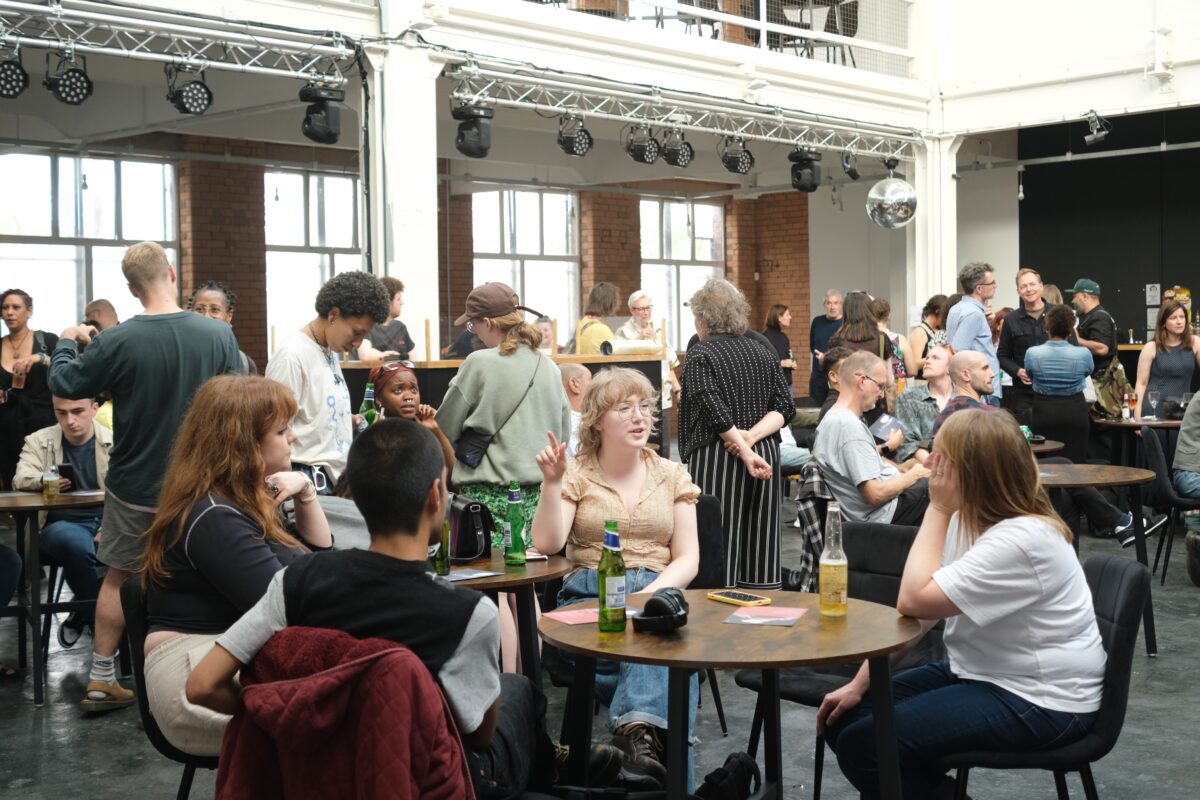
(861, 34)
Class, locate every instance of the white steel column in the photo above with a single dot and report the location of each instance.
(933, 244)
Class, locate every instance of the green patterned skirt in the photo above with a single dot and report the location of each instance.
(495, 497)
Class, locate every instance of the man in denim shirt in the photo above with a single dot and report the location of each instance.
(967, 323)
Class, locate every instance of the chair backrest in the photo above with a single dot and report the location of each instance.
(848, 14)
(133, 603)
(1120, 587)
(1161, 490)
(711, 535)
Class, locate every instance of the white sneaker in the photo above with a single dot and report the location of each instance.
(1125, 532)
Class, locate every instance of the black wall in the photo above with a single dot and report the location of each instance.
(1124, 221)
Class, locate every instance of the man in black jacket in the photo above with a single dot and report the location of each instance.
(1023, 329)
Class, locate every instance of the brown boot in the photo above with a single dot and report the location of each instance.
(642, 744)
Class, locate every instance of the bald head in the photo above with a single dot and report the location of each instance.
(576, 378)
(102, 313)
(971, 374)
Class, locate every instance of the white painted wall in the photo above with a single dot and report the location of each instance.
(987, 227)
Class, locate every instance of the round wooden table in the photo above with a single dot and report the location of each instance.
(25, 507)
(868, 631)
(519, 580)
(1046, 447)
(1127, 430)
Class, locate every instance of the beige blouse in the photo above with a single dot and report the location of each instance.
(646, 536)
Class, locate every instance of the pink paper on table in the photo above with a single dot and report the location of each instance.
(574, 616)
(782, 612)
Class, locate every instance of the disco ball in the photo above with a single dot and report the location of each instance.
(892, 203)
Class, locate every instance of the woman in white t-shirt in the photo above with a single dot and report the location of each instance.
(1026, 663)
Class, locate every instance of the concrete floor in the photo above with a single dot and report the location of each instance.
(54, 752)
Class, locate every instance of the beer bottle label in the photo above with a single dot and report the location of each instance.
(507, 535)
(614, 591)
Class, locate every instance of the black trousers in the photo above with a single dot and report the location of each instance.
(504, 770)
(1102, 516)
(911, 504)
(1064, 419)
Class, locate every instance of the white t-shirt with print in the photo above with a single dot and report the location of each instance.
(324, 422)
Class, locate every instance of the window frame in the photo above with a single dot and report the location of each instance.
(326, 253)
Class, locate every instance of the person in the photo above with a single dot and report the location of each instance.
(307, 362)
(1167, 363)
(1052, 294)
(823, 327)
(390, 339)
(100, 314)
(995, 324)
(398, 395)
(832, 362)
(24, 393)
(215, 300)
(734, 402)
(920, 338)
(466, 343)
(546, 326)
(1057, 370)
(903, 363)
(68, 535)
(575, 378)
(398, 481)
(967, 325)
(939, 335)
(860, 333)
(511, 392)
(1186, 477)
(617, 476)
(591, 331)
(779, 317)
(973, 380)
(918, 406)
(867, 487)
(10, 576)
(641, 326)
(1025, 667)
(152, 364)
(218, 538)
(1024, 328)
(1097, 330)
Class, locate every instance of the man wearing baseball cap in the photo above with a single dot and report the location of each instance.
(1097, 330)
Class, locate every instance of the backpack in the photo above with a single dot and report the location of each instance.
(732, 781)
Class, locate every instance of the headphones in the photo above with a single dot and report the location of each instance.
(666, 610)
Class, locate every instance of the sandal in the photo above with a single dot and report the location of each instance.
(111, 696)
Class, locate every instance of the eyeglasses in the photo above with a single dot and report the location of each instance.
(470, 326)
(986, 283)
(642, 308)
(872, 380)
(625, 410)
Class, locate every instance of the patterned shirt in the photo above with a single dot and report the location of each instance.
(957, 403)
(918, 411)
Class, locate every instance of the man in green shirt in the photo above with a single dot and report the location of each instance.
(152, 364)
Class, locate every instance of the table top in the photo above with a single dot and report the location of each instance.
(1148, 422)
(867, 630)
(1078, 476)
(1046, 447)
(33, 501)
(511, 577)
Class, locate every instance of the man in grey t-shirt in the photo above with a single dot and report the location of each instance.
(868, 488)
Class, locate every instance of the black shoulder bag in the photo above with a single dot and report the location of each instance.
(472, 444)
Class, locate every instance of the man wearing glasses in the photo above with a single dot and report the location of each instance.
(641, 326)
(967, 323)
(868, 488)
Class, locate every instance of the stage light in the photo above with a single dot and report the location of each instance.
(675, 151)
(70, 85)
(850, 165)
(13, 78)
(474, 138)
(194, 97)
(1099, 128)
(641, 145)
(573, 138)
(806, 172)
(323, 117)
(735, 156)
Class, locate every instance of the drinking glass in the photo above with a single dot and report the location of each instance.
(1152, 403)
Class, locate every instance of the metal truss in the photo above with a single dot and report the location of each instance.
(191, 43)
(558, 93)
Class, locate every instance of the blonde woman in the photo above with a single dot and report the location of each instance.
(1026, 663)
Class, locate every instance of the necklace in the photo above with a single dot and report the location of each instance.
(329, 359)
(312, 332)
(12, 342)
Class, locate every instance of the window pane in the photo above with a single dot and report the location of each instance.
(651, 235)
(526, 223)
(87, 198)
(293, 280)
(659, 281)
(485, 222)
(708, 223)
(147, 201)
(109, 282)
(691, 278)
(675, 228)
(50, 274)
(552, 287)
(25, 212)
(347, 262)
(331, 216)
(497, 269)
(284, 200)
(557, 224)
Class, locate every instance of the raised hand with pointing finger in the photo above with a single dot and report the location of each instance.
(552, 460)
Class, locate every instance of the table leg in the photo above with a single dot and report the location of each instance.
(768, 695)
(887, 753)
(579, 717)
(527, 634)
(33, 570)
(678, 699)
(1139, 545)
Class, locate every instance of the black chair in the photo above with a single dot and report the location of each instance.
(133, 602)
(1120, 587)
(876, 554)
(711, 574)
(1162, 493)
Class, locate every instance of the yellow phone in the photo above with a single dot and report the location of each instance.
(739, 598)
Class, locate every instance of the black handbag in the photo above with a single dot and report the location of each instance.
(472, 444)
(471, 527)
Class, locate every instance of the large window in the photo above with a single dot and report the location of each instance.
(529, 240)
(312, 235)
(682, 247)
(65, 222)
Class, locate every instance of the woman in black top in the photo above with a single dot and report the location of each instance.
(24, 394)
(778, 318)
(219, 536)
(733, 404)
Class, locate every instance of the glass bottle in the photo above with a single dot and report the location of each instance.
(50, 475)
(514, 527)
(441, 557)
(367, 409)
(834, 571)
(611, 576)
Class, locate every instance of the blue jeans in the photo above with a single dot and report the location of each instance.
(1187, 483)
(10, 573)
(72, 543)
(938, 714)
(632, 692)
(792, 458)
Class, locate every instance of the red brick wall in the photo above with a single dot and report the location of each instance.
(610, 242)
(456, 258)
(222, 234)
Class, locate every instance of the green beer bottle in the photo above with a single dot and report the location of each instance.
(514, 527)
(611, 574)
(367, 409)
